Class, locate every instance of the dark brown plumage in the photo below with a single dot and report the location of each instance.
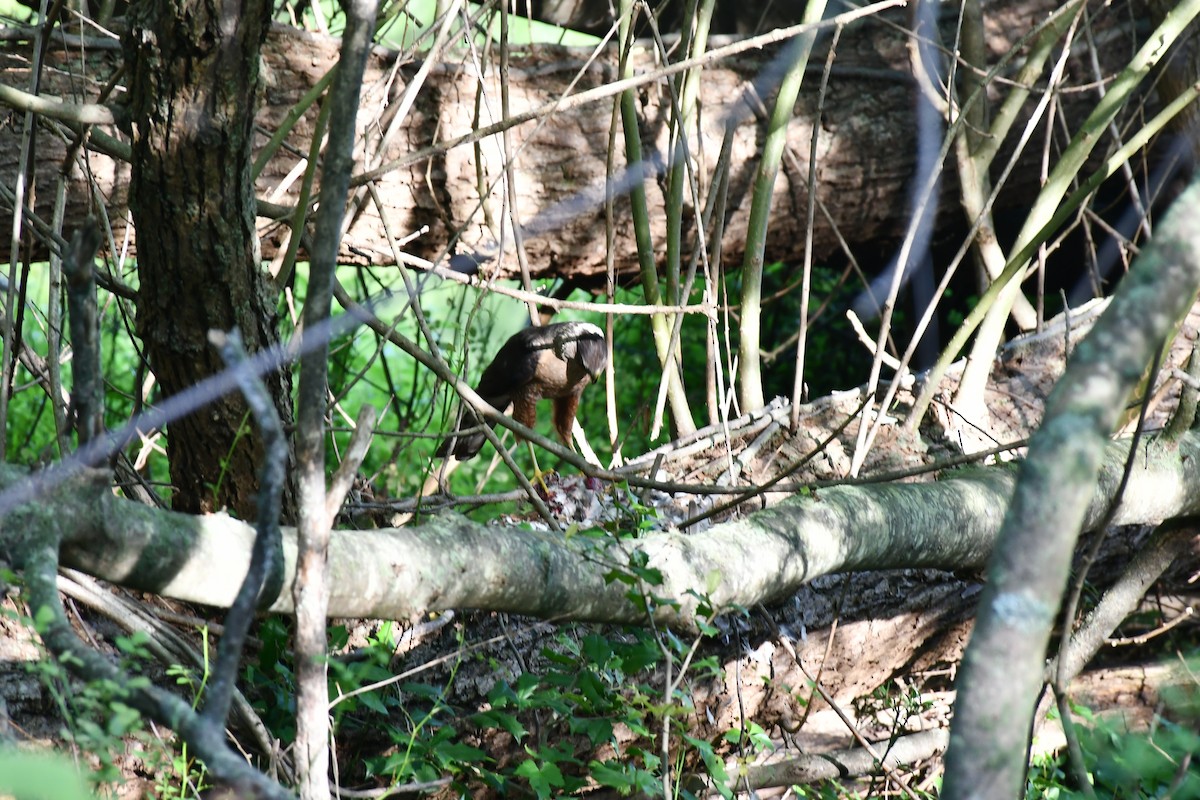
(548, 362)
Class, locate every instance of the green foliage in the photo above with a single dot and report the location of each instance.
(893, 701)
(590, 684)
(39, 776)
(750, 735)
(95, 715)
(1132, 765)
(1125, 763)
(826, 790)
(556, 716)
(99, 723)
(639, 372)
(30, 415)
(625, 777)
(714, 763)
(833, 358)
(269, 683)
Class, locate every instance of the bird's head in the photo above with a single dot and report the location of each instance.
(582, 342)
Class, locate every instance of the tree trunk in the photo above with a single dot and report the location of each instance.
(1002, 671)
(193, 78)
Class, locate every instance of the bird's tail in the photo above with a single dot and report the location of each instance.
(464, 445)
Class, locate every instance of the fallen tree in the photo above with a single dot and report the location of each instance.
(430, 166)
(451, 562)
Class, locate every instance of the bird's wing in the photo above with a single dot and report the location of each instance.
(511, 370)
(513, 367)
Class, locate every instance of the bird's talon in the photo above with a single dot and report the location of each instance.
(540, 479)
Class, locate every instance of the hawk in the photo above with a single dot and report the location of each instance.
(555, 362)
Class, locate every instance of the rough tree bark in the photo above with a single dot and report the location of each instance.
(193, 72)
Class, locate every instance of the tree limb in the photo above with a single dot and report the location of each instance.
(452, 562)
(1002, 668)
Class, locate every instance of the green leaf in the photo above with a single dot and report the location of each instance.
(122, 719)
(372, 701)
(561, 659)
(501, 695)
(619, 575)
(338, 637)
(422, 690)
(134, 644)
(714, 764)
(541, 778)
(526, 685)
(457, 753)
(650, 760)
(501, 721)
(42, 619)
(557, 753)
(597, 649)
(613, 774)
(596, 729)
(637, 656)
